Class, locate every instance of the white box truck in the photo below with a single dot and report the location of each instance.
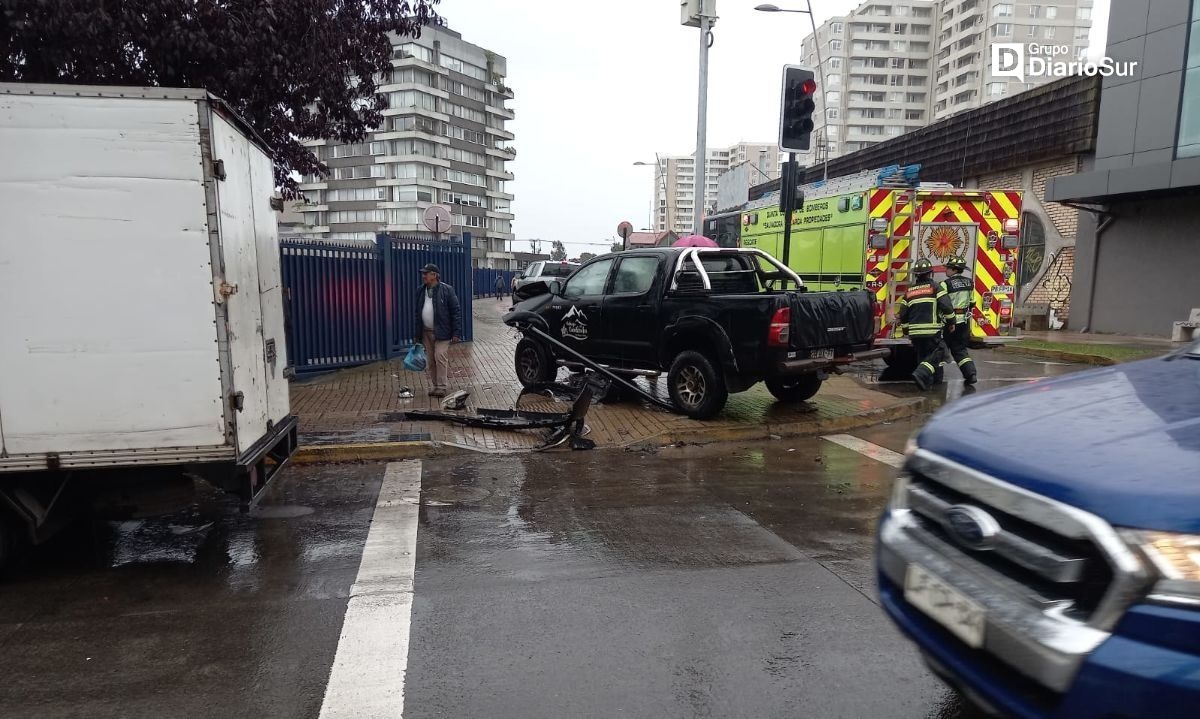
(141, 318)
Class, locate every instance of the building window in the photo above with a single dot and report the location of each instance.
(1083, 13)
(1050, 32)
(413, 50)
(1004, 29)
(1033, 248)
(1189, 116)
(1003, 10)
(831, 113)
(897, 62)
(833, 98)
(903, 11)
(1051, 13)
(899, 45)
(1031, 31)
(996, 89)
(1035, 11)
(835, 28)
(835, 63)
(835, 45)
(834, 80)
(899, 28)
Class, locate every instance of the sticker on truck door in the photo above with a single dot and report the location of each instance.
(575, 324)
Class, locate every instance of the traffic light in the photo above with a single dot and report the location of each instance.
(791, 197)
(796, 109)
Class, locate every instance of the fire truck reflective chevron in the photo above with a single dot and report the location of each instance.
(867, 234)
(939, 224)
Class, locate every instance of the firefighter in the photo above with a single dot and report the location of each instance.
(959, 288)
(924, 310)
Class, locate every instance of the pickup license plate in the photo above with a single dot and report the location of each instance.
(822, 354)
(945, 605)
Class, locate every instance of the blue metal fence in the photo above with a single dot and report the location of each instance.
(349, 303)
(485, 281)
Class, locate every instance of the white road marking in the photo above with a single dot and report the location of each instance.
(867, 449)
(367, 678)
(999, 362)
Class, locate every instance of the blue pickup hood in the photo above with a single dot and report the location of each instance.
(1121, 442)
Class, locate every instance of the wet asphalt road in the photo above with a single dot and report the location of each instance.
(721, 581)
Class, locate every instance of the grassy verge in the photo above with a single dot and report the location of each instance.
(1106, 354)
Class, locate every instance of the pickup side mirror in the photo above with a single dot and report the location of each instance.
(556, 288)
(689, 280)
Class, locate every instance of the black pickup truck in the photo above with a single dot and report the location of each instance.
(714, 320)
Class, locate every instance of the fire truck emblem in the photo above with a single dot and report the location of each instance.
(944, 242)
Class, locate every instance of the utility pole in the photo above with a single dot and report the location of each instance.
(701, 14)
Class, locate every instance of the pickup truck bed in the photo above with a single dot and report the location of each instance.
(714, 320)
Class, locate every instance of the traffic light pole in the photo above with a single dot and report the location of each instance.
(788, 176)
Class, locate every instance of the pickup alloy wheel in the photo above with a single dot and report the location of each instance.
(697, 388)
(534, 363)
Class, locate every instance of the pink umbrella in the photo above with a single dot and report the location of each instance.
(694, 241)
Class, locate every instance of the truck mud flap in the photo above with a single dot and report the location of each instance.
(260, 464)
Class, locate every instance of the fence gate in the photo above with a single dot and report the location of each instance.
(350, 303)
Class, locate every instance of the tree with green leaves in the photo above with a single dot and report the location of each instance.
(292, 68)
(617, 246)
(558, 253)
(585, 256)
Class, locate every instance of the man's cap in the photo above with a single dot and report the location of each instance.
(430, 268)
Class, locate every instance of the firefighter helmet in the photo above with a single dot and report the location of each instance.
(957, 263)
(922, 267)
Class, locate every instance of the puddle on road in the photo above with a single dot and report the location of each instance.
(280, 511)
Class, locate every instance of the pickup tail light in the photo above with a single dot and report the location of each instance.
(780, 332)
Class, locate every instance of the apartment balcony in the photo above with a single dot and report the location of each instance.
(501, 195)
(417, 86)
(500, 133)
(500, 90)
(504, 112)
(426, 159)
(322, 185)
(501, 215)
(432, 114)
(499, 174)
(410, 135)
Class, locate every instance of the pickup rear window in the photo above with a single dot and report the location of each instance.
(733, 274)
(558, 270)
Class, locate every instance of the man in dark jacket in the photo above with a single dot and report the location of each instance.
(959, 289)
(440, 320)
(924, 311)
(499, 285)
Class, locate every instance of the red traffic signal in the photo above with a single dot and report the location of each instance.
(796, 108)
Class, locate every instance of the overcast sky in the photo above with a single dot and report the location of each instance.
(596, 92)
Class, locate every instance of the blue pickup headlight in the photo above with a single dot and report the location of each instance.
(1176, 557)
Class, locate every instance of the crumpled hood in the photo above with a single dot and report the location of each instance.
(1122, 442)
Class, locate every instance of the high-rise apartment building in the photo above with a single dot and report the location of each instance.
(443, 142)
(675, 181)
(892, 66)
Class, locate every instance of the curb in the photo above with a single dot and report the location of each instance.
(390, 451)
(902, 410)
(363, 452)
(1095, 360)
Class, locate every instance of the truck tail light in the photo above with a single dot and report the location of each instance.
(780, 332)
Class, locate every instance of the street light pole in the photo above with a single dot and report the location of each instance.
(661, 181)
(820, 66)
(702, 125)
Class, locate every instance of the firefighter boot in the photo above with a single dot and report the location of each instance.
(969, 373)
(923, 376)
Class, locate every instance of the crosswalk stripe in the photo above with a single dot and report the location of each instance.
(367, 677)
(867, 449)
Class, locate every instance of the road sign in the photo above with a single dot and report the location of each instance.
(624, 230)
(437, 219)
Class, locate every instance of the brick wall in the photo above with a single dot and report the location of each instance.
(1002, 181)
(1065, 219)
(1054, 288)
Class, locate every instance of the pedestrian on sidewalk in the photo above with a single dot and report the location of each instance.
(499, 285)
(924, 310)
(959, 287)
(440, 320)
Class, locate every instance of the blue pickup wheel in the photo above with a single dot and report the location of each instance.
(697, 388)
(795, 389)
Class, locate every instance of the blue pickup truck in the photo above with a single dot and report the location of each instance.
(1042, 545)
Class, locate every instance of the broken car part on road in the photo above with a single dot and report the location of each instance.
(565, 425)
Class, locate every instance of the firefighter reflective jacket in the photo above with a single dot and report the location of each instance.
(924, 309)
(959, 289)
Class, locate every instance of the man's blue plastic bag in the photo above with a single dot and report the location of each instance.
(415, 360)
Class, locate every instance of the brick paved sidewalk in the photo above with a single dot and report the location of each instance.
(362, 405)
